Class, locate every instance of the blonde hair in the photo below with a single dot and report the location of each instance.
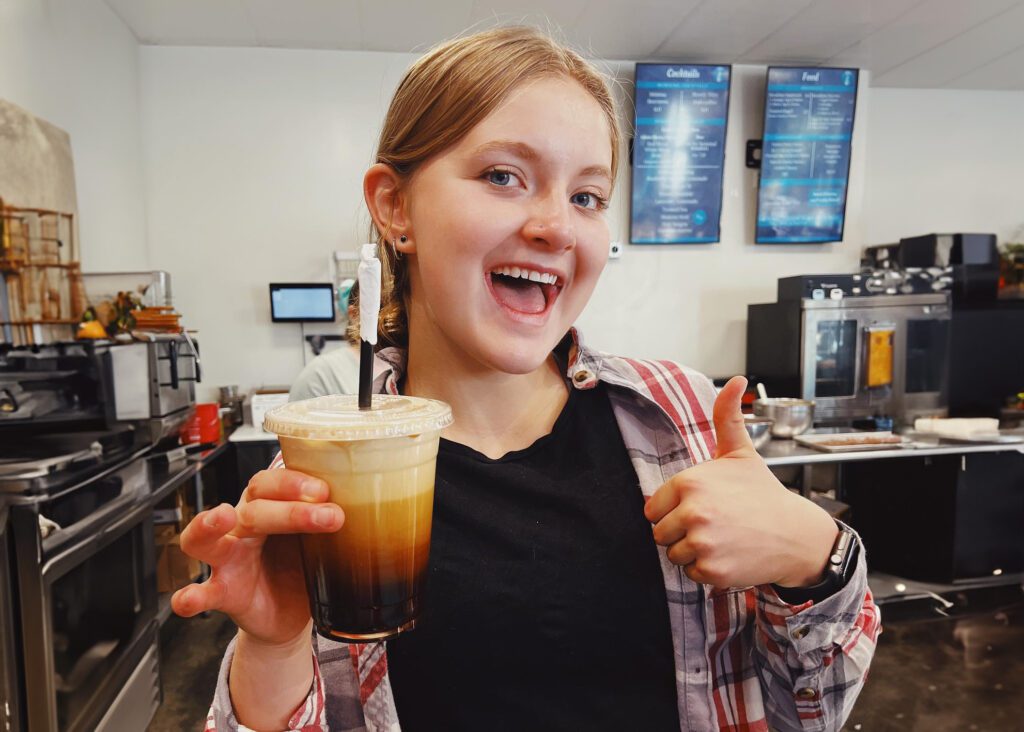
(442, 97)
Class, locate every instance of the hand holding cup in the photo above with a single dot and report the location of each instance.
(253, 552)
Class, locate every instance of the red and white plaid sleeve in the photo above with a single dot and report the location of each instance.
(815, 656)
(311, 716)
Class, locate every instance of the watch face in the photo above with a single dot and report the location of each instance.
(844, 553)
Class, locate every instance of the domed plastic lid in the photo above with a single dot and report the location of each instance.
(338, 417)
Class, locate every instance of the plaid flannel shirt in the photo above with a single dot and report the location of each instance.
(745, 660)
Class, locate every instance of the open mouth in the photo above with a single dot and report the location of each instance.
(524, 291)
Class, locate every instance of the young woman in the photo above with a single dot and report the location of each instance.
(552, 604)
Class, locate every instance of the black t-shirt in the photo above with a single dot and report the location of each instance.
(545, 605)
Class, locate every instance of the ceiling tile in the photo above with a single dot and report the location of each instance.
(911, 43)
(306, 23)
(924, 26)
(559, 16)
(819, 29)
(961, 54)
(628, 30)
(411, 25)
(1006, 72)
(721, 30)
(186, 22)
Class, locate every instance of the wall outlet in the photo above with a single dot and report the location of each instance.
(615, 250)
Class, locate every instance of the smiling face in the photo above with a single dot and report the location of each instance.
(507, 229)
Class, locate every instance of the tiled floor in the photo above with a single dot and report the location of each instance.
(931, 673)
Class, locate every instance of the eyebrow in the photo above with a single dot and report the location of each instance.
(525, 152)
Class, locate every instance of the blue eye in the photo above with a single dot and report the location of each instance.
(589, 200)
(499, 177)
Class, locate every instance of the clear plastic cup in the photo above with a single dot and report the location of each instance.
(365, 580)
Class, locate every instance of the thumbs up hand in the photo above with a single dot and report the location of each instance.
(729, 522)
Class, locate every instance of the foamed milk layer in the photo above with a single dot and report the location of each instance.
(366, 471)
(338, 418)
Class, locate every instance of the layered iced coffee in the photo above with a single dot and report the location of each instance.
(365, 580)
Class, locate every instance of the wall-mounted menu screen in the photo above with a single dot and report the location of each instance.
(678, 153)
(805, 158)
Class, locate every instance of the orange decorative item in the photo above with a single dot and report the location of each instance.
(158, 320)
(202, 426)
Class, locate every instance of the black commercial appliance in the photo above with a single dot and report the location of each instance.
(971, 259)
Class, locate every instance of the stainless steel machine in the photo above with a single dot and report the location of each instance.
(856, 355)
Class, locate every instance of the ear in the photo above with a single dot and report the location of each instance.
(385, 197)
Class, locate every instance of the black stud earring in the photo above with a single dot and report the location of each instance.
(403, 238)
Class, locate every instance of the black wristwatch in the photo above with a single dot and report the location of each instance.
(841, 562)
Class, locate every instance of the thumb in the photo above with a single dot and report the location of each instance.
(730, 430)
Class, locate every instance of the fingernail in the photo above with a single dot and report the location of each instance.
(324, 516)
(311, 488)
(210, 520)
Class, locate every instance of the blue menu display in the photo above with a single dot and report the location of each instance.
(678, 153)
(805, 158)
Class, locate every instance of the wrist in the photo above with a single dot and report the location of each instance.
(253, 646)
(809, 566)
(268, 682)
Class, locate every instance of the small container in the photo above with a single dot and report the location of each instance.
(759, 429)
(203, 426)
(791, 417)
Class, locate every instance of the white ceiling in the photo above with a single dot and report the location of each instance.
(958, 44)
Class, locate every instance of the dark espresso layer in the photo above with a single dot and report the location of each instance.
(366, 578)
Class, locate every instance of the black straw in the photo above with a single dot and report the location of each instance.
(365, 374)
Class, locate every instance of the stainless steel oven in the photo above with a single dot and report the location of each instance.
(85, 581)
(152, 381)
(10, 687)
(855, 357)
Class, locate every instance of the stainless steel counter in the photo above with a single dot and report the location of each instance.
(788, 452)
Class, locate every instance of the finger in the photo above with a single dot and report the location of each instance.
(205, 536)
(670, 494)
(281, 484)
(196, 598)
(671, 528)
(682, 553)
(695, 571)
(730, 431)
(288, 517)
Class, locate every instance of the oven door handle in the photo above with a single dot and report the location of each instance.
(195, 355)
(57, 563)
(136, 572)
(172, 355)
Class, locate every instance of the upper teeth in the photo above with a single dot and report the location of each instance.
(528, 274)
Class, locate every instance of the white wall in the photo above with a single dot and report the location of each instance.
(254, 165)
(75, 64)
(945, 161)
(254, 160)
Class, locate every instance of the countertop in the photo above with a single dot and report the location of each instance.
(788, 452)
(248, 433)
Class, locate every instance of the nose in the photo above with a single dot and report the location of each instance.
(550, 224)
